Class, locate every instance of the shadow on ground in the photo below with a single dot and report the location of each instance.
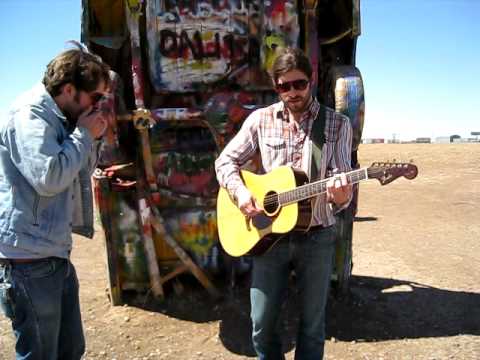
(364, 218)
(385, 309)
(377, 309)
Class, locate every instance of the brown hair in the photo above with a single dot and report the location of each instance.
(76, 66)
(291, 59)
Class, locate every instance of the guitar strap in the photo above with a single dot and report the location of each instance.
(318, 139)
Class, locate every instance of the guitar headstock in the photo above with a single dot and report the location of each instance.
(386, 172)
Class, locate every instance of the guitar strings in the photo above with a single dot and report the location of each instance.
(275, 198)
(371, 171)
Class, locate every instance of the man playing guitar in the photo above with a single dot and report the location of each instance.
(287, 133)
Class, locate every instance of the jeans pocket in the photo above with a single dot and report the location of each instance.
(40, 269)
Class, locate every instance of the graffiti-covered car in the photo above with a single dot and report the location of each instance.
(185, 74)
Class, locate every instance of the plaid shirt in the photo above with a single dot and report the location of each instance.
(283, 143)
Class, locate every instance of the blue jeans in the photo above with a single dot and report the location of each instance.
(312, 255)
(41, 300)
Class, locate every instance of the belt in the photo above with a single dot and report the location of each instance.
(21, 261)
(312, 228)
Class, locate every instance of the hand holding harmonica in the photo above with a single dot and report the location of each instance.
(95, 121)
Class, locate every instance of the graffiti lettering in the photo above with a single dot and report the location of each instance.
(191, 45)
(194, 42)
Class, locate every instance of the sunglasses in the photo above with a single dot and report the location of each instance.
(300, 84)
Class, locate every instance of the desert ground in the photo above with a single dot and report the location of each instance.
(415, 290)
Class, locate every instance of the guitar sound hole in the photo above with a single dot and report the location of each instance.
(270, 202)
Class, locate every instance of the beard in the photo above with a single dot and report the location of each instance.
(71, 122)
(72, 117)
(297, 104)
(72, 111)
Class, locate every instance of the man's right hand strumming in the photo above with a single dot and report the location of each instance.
(247, 203)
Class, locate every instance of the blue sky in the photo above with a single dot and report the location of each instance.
(420, 60)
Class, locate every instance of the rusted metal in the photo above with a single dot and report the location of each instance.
(104, 207)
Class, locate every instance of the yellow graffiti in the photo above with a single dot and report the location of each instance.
(272, 45)
(198, 237)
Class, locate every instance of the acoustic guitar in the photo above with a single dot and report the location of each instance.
(287, 199)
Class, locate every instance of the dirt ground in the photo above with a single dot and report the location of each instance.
(415, 291)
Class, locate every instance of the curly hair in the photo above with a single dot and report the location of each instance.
(76, 66)
(291, 59)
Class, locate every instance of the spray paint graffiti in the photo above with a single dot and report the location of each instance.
(186, 173)
(208, 68)
(129, 241)
(227, 110)
(194, 43)
(197, 232)
(183, 159)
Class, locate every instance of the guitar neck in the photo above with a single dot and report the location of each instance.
(318, 187)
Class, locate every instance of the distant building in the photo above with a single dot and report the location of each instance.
(455, 138)
(443, 140)
(373, 141)
(423, 140)
(464, 140)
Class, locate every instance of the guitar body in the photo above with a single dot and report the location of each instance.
(287, 204)
(239, 235)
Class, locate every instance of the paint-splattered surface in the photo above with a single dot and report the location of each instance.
(194, 44)
(199, 68)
